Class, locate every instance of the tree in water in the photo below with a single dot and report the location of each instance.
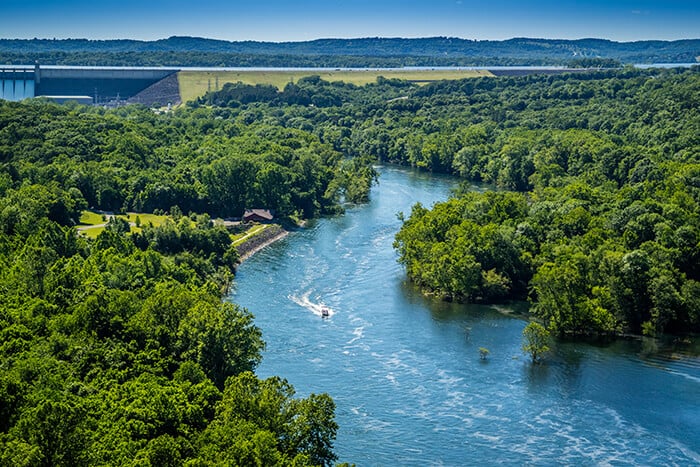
(483, 353)
(535, 341)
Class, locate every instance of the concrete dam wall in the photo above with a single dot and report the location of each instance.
(16, 83)
(102, 85)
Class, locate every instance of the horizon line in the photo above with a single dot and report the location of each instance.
(56, 39)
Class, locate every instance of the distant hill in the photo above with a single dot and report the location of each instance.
(434, 51)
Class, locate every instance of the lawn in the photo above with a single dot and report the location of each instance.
(196, 83)
(91, 218)
(154, 219)
(91, 223)
(251, 232)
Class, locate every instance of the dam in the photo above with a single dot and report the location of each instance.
(112, 86)
(86, 85)
(17, 83)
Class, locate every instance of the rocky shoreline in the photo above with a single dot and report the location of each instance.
(260, 241)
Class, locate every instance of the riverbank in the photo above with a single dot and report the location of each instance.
(257, 242)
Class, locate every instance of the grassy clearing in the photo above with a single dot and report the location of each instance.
(91, 223)
(251, 232)
(91, 218)
(145, 218)
(91, 232)
(196, 83)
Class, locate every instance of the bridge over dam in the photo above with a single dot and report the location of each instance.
(88, 85)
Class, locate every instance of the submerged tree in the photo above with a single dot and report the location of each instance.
(535, 341)
(483, 353)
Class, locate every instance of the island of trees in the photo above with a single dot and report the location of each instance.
(122, 349)
(594, 216)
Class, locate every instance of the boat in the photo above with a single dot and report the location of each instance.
(324, 313)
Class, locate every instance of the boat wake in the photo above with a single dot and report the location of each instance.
(318, 309)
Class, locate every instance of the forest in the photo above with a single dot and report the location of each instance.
(361, 52)
(122, 350)
(595, 213)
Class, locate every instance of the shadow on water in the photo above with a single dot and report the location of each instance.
(447, 311)
(537, 376)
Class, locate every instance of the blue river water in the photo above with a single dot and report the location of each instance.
(405, 372)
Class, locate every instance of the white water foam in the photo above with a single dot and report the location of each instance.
(684, 375)
(556, 433)
(487, 437)
(314, 307)
(359, 333)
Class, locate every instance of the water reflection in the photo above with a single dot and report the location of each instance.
(537, 376)
(442, 310)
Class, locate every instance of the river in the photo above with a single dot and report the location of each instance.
(405, 371)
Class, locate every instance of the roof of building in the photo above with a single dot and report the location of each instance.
(262, 213)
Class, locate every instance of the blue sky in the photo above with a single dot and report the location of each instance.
(290, 20)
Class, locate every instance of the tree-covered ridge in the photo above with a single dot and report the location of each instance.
(602, 231)
(250, 60)
(363, 52)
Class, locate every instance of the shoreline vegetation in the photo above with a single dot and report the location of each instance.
(95, 330)
(594, 220)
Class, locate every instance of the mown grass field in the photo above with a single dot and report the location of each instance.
(92, 223)
(91, 218)
(253, 231)
(196, 83)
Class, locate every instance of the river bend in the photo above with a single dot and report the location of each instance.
(405, 371)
